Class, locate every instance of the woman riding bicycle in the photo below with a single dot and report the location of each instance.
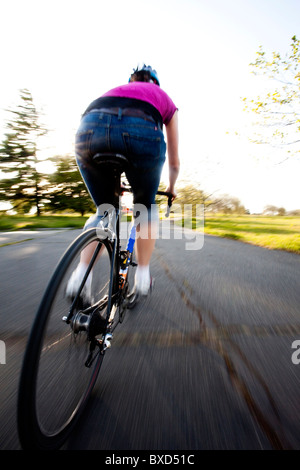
(129, 120)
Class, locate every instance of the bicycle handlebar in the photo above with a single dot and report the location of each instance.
(170, 197)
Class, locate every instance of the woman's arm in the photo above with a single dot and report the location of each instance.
(173, 155)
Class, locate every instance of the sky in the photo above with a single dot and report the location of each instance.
(69, 52)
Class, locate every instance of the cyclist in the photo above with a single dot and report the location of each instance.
(129, 120)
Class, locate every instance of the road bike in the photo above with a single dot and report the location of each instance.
(70, 336)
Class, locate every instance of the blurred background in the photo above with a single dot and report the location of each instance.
(206, 362)
(66, 53)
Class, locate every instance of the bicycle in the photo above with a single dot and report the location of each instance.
(69, 339)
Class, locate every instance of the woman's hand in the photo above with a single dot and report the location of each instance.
(173, 192)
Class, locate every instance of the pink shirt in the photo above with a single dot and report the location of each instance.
(148, 92)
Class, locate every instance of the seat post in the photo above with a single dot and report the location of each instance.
(117, 186)
(117, 163)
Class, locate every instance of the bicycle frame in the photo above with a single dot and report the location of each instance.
(109, 228)
(112, 231)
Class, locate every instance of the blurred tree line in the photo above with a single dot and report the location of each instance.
(224, 204)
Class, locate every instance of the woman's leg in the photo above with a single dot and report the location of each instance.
(145, 246)
(146, 220)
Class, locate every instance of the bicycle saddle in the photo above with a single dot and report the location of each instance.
(116, 160)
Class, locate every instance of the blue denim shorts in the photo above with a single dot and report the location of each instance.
(141, 141)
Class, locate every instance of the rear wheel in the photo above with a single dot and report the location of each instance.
(55, 381)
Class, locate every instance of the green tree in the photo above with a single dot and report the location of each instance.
(66, 190)
(279, 109)
(228, 205)
(273, 210)
(190, 194)
(21, 185)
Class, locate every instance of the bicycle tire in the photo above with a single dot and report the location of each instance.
(42, 398)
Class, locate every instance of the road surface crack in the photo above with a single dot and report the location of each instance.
(219, 339)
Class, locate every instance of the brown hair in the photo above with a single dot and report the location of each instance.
(140, 76)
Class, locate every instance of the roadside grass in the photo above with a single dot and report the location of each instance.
(279, 233)
(27, 222)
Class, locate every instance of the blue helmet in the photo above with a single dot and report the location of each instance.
(150, 70)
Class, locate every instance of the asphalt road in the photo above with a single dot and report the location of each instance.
(205, 362)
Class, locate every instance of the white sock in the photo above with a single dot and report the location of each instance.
(142, 279)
